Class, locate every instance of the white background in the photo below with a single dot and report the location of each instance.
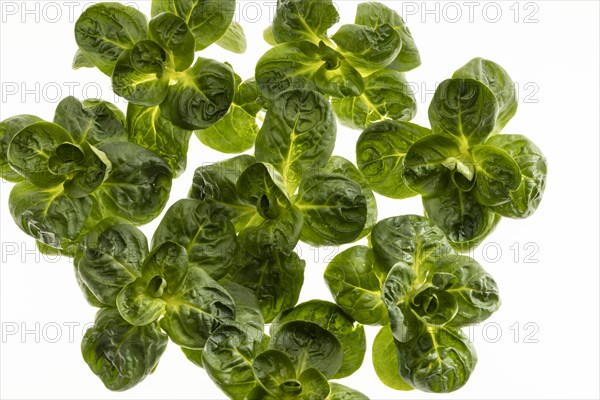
(550, 298)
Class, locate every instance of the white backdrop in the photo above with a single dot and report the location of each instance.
(542, 343)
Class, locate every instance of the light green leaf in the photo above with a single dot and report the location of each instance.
(234, 39)
(385, 360)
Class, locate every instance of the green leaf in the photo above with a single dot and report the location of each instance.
(139, 304)
(533, 166)
(138, 75)
(49, 215)
(465, 108)
(474, 290)
(385, 360)
(30, 150)
(309, 346)
(439, 360)
(275, 280)
(333, 319)
(138, 185)
(338, 78)
(333, 206)
(235, 133)
(247, 310)
(217, 182)
(8, 129)
(174, 36)
(259, 393)
(234, 39)
(228, 356)
(380, 153)
(464, 221)
(204, 231)
(356, 287)
(407, 238)
(93, 121)
(167, 265)
(288, 66)
(111, 256)
(339, 165)
(105, 30)
(429, 163)
(298, 135)
(198, 308)
(297, 20)
(314, 385)
(368, 49)
(375, 14)
(150, 129)
(276, 373)
(387, 95)
(81, 61)
(498, 175)
(201, 96)
(498, 81)
(122, 355)
(397, 289)
(341, 392)
(207, 19)
(194, 356)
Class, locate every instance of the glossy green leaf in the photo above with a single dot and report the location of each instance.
(533, 166)
(235, 133)
(276, 373)
(150, 129)
(368, 49)
(497, 175)
(498, 81)
(332, 318)
(105, 30)
(30, 150)
(199, 307)
(342, 166)
(228, 356)
(463, 220)
(234, 39)
(439, 360)
(397, 288)
(309, 346)
(385, 360)
(375, 14)
(465, 108)
(111, 256)
(247, 309)
(314, 385)
(8, 129)
(165, 269)
(276, 281)
(338, 78)
(122, 355)
(81, 61)
(217, 182)
(174, 36)
(297, 20)
(259, 393)
(298, 135)
(387, 95)
(138, 80)
(380, 153)
(356, 287)
(140, 302)
(204, 231)
(430, 162)
(333, 206)
(138, 185)
(201, 96)
(408, 238)
(341, 392)
(207, 19)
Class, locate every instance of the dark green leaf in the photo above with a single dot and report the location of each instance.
(122, 355)
(139, 304)
(276, 373)
(81, 61)
(397, 288)
(498, 175)
(313, 384)
(8, 129)
(297, 20)
(174, 36)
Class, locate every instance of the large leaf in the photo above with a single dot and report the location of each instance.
(356, 287)
(105, 30)
(8, 129)
(533, 166)
(334, 208)
(298, 135)
(204, 231)
(385, 360)
(498, 175)
(332, 318)
(397, 289)
(122, 355)
(380, 153)
(174, 36)
(297, 20)
(150, 129)
(276, 374)
(309, 346)
(465, 108)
